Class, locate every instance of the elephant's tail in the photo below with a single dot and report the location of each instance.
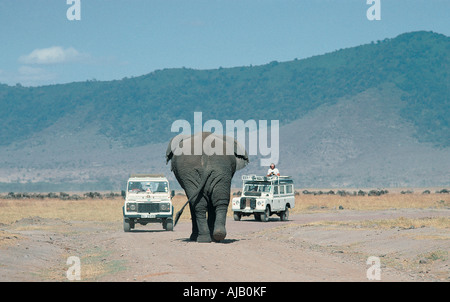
(202, 183)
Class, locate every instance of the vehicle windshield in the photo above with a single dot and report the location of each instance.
(257, 188)
(148, 186)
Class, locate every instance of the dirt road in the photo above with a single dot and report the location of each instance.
(301, 249)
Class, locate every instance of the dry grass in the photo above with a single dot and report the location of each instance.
(311, 203)
(110, 210)
(104, 210)
(435, 255)
(401, 222)
(8, 239)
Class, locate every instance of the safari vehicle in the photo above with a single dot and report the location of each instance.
(148, 200)
(263, 196)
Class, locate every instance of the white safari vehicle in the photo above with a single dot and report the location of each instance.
(147, 200)
(263, 196)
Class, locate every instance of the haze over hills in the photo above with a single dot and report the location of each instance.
(375, 115)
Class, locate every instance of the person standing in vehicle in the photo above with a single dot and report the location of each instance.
(273, 171)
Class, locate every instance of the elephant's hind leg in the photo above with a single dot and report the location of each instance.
(204, 234)
(194, 234)
(220, 231)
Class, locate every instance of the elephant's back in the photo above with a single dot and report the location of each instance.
(189, 171)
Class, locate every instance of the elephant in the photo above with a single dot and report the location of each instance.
(206, 178)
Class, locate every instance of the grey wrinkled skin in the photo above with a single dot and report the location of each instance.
(206, 179)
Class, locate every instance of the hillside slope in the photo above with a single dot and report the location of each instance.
(372, 115)
(417, 63)
(361, 141)
(358, 142)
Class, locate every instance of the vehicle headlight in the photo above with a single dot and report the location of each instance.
(164, 207)
(131, 207)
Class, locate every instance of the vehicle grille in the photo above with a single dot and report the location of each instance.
(148, 207)
(248, 202)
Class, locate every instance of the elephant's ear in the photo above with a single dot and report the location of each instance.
(169, 152)
(241, 156)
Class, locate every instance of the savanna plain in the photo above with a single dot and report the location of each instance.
(328, 237)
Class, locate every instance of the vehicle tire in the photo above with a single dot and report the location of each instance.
(237, 216)
(265, 215)
(127, 225)
(257, 216)
(285, 215)
(169, 225)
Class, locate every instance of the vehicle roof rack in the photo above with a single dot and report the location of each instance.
(263, 178)
(146, 175)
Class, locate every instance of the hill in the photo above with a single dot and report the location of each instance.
(382, 108)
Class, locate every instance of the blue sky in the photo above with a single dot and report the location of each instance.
(124, 38)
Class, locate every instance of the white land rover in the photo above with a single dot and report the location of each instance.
(147, 200)
(263, 196)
